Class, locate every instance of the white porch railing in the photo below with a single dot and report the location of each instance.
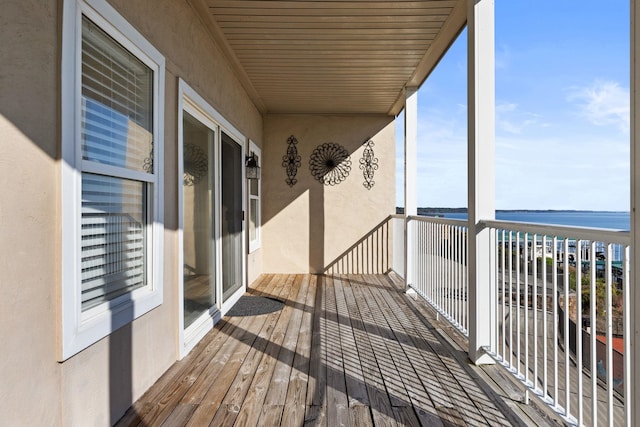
(574, 363)
(437, 266)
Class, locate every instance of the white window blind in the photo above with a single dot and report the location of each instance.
(117, 108)
(117, 132)
(114, 223)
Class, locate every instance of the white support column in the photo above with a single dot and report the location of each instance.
(634, 334)
(410, 173)
(481, 176)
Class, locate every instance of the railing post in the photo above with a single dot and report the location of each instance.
(410, 176)
(632, 402)
(481, 178)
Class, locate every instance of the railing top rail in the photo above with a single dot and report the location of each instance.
(439, 220)
(569, 232)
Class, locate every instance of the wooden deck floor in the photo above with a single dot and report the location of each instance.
(345, 350)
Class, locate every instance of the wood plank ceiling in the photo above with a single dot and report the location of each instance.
(334, 56)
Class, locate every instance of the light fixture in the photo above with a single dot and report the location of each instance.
(252, 168)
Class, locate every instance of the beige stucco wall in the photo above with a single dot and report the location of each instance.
(29, 219)
(97, 385)
(309, 225)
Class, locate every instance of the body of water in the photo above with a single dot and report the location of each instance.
(594, 219)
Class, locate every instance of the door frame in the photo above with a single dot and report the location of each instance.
(189, 100)
(226, 305)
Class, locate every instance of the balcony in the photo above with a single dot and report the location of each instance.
(357, 346)
(419, 321)
(344, 350)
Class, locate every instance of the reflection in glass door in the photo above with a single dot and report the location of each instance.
(198, 220)
(231, 220)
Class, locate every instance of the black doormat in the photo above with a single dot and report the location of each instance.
(254, 306)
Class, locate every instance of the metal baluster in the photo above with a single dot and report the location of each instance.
(567, 379)
(555, 322)
(609, 320)
(593, 335)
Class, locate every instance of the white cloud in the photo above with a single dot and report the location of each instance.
(511, 120)
(604, 103)
(505, 107)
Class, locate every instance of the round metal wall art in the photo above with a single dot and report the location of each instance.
(291, 161)
(195, 164)
(330, 163)
(368, 165)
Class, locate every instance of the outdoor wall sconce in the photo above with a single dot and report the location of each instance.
(252, 168)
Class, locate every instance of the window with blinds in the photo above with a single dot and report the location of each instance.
(117, 168)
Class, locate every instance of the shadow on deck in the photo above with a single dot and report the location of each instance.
(344, 350)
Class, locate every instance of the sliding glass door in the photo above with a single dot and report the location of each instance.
(210, 217)
(198, 207)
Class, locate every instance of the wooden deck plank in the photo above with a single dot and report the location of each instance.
(381, 410)
(345, 350)
(472, 404)
(271, 415)
(180, 415)
(440, 390)
(380, 339)
(167, 403)
(356, 387)
(272, 335)
(186, 370)
(133, 415)
(248, 414)
(417, 376)
(230, 348)
(488, 403)
(360, 416)
(406, 335)
(220, 380)
(397, 355)
(337, 403)
(220, 384)
(221, 333)
(407, 417)
(316, 387)
(315, 416)
(297, 391)
(277, 392)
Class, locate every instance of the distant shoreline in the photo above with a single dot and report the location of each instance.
(429, 211)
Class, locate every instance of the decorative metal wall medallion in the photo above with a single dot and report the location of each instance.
(330, 163)
(291, 161)
(368, 165)
(195, 164)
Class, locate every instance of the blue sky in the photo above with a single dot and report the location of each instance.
(562, 111)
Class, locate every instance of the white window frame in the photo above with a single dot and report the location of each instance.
(81, 329)
(255, 244)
